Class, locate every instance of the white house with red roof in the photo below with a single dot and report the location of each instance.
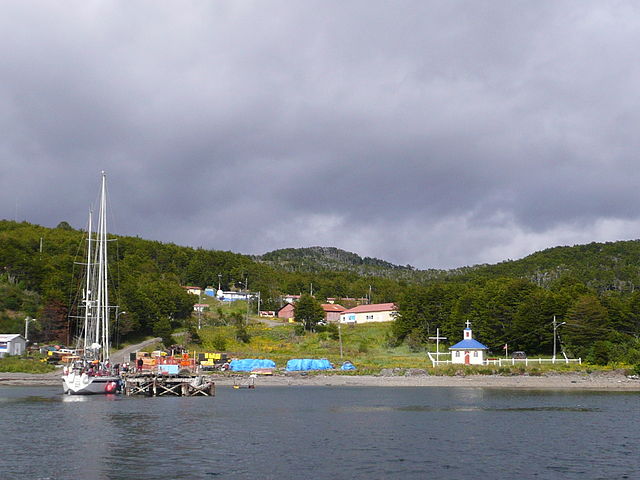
(375, 312)
(193, 290)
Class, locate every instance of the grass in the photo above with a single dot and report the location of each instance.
(365, 346)
(24, 365)
(362, 344)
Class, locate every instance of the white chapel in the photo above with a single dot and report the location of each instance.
(468, 351)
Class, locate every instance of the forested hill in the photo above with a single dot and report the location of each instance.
(320, 259)
(602, 266)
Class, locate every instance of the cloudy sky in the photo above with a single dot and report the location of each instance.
(435, 133)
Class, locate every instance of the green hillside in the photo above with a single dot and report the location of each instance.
(590, 287)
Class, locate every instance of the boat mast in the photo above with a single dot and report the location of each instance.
(87, 292)
(103, 290)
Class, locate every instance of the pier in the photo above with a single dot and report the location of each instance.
(158, 385)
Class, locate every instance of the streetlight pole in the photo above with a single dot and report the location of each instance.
(340, 337)
(26, 327)
(219, 280)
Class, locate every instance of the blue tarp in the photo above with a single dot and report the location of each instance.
(248, 364)
(304, 364)
(348, 366)
(169, 369)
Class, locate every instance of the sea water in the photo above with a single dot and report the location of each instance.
(321, 433)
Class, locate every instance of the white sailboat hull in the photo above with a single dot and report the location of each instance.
(83, 384)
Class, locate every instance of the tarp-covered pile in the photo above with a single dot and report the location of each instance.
(348, 366)
(304, 364)
(249, 364)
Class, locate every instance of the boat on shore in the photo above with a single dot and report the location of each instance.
(91, 372)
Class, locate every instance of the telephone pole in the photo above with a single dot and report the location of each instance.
(555, 336)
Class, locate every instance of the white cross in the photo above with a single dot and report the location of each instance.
(468, 324)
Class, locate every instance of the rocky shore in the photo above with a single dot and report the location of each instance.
(615, 380)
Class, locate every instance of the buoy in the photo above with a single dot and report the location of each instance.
(110, 387)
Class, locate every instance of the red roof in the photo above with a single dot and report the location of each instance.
(374, 307)
(333, 307)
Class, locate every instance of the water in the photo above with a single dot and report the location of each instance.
(321, 433)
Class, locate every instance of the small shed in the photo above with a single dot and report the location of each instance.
(332, 312)
(12, 344)
(468, 351)
(287, 312)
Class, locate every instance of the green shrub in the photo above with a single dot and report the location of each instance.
(219, 342)
(22, 365)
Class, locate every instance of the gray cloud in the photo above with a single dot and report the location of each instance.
(433, 133)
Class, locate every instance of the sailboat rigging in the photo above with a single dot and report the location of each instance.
(92, 373)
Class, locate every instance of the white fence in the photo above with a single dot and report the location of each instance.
(435, 361)
(530, 361)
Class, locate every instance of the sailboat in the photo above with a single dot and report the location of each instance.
(91, 372)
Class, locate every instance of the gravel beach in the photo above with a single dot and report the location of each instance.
(603, 381)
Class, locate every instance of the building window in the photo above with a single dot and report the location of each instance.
(457, 354)
(475, 354)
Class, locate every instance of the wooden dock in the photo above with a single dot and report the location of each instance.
(156, 385)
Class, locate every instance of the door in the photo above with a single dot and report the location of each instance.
(467, 359)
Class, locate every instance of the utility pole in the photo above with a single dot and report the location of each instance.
(555, 335)
(259, 303)
(437, 338)
(370, 295)
(340, 337)
(219, 279)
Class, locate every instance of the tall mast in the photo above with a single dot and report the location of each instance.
(87, 292)
(103, 273)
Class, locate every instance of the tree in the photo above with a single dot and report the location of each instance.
(54, 322)
(162, 329)
(64, 226)
(587, 322)
(308, 311)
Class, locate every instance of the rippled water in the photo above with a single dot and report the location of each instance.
(321, 433)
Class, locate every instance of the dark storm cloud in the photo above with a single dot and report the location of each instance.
(433, 133)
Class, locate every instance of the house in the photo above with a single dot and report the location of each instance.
(468, 351)
(232, 296)
(332, 312)
(349, 302)
(287, 312)
(200, 307)
(290, 298)
(376, 312)
(12, 344)
(193, 290)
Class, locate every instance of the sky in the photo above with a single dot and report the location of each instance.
(433, 133)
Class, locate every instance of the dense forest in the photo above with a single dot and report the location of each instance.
(591, 288)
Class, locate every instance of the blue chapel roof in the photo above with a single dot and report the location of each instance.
(469, 344)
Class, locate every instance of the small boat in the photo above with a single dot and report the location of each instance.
(91, 372)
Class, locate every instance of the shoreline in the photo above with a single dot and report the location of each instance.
(596, 381)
